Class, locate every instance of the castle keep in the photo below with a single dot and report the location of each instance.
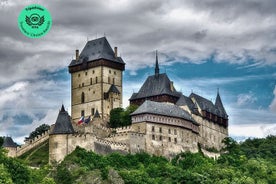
(166, 122)
(96, 80)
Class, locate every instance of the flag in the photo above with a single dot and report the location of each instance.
(81, 120)
(87, 120)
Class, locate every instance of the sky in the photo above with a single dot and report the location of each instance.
(203, 46)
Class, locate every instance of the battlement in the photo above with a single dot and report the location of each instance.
(32, 143)
(123, 129)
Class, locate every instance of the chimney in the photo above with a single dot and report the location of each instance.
(115, 52)
(77, 55)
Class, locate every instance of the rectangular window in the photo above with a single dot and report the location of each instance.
(90, 81)
(96, 79)
(92, 111)
(152, 128)
(160, 138)
(170, 139)
(160, 129)
(175, 133)
(113, 81)
(175, 140)
(82, 113)
(169, 131)
(153, 137)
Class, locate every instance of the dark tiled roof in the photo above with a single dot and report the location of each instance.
(113, 89)
(164, 109)
(220, 107)
(8, 142)
(97, 114)
(156, 85)
(97, 49)
(207, 105)
(184, 100)
(63, 124)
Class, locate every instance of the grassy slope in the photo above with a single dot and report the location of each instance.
(37, 156)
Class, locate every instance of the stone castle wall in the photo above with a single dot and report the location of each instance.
(210, 134)
(32, 143)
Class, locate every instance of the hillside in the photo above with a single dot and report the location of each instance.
(38, 156)
(250, 162)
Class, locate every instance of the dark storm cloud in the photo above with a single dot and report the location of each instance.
(182, 31)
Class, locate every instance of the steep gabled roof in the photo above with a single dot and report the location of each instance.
(8, 143)
(156, 85)
(164, 109)
(63, 123)
(97, 49)
(186, 101)
(113, 89)
(207, 105)
(219, 105)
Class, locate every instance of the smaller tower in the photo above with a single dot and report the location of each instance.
(59, 139)
(11, 146)
(156, 64)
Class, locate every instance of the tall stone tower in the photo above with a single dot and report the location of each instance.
(96, 80)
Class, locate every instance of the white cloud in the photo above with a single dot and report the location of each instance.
(246, 99)
(273, 103)
(252, 130)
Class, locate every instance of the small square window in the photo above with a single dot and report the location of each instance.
(153, 137)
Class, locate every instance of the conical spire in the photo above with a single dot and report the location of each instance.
(62, 108)
(156, 64)
(63, 123)
(219, 105)
(97, 114)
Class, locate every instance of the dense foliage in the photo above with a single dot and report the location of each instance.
(249, 162)
(121, 117)
(39, 130)
(1, 141)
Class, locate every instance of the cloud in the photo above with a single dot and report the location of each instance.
(181, 30)
(178, 29)
(272, 106)
(252, 130)
(246, 99)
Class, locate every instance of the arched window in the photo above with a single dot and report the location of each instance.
(82, 97)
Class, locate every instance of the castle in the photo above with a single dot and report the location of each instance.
(165, 123)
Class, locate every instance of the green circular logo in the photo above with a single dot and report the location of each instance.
(34, 21)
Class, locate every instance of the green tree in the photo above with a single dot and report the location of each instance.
(1, 141)
(125, 116)
(5, 177)
(116, 117)
(39, 130)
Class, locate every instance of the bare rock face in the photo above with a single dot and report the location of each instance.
(92, 177)
(114, 177)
